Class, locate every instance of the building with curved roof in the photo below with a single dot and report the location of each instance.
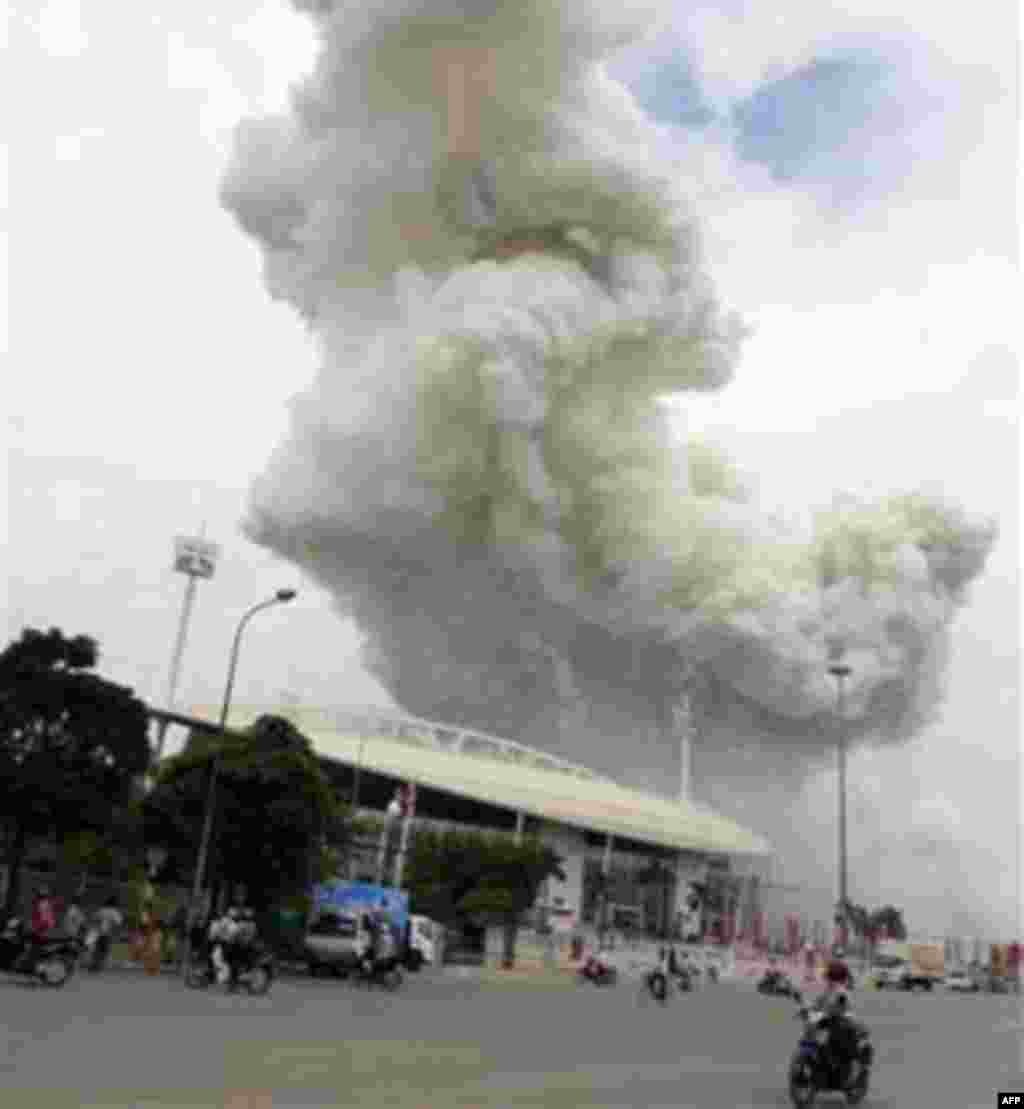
(468, 777)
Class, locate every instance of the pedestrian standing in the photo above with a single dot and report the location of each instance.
(108, 920)
(152, 943)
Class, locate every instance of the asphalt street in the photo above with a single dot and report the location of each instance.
(125, 1041)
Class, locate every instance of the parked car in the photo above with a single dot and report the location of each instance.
(961, 980)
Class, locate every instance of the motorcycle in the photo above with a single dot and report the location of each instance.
(815, 1068)
(601, 974)
(684, 980)
(776, 984)
(656, 984)
(51, 961)
(254, 969)
(379, 972)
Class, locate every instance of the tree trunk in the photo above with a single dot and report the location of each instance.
(17, 847)
(510, 929)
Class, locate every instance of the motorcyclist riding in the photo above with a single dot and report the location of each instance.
(844, 1030)
(44, 922)
(222, 935)
(243, 949)
(379, 927)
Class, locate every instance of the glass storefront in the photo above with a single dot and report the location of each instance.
(640, 891)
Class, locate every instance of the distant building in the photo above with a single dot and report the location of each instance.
(651, 846)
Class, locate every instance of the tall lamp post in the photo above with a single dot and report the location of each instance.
(196, 558)
(840, 671)
(282, 596)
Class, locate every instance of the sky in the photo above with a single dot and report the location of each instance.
(857, 175)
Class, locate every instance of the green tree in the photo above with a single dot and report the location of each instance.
(486, 877)
(278, 823)
(891, 919)
(72, 745)
(867, 924)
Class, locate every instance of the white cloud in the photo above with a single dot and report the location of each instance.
(285, 45)
(59, 29)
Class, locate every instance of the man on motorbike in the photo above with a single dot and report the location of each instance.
(844, 1030)
(380, 928)
(43, 922)
(222, 935)
(240, 946)
(44, 914)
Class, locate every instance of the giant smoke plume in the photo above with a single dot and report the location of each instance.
(481, 474)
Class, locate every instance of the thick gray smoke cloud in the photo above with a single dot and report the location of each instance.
(481, 473)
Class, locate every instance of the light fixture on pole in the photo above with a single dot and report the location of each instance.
(840, 671)
(282, 596)
(196, 558)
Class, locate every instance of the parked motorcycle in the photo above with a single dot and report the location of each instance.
(815, 1068)
(598, 972)
(51, 961)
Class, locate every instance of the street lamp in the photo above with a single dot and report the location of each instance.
(840, 671)
(281, 597)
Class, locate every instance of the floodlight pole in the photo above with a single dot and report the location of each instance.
(194, 568)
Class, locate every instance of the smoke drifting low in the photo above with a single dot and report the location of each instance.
(482, 475)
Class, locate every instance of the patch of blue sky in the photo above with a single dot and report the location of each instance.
(668, 89)
(846, 121)
(822, 117)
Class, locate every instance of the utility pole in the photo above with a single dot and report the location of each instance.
(841, 672)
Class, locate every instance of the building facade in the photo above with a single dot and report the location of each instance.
(633, 862)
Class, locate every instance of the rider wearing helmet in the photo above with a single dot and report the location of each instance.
(844, 1031)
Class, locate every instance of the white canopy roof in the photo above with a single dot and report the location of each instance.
(506, 774)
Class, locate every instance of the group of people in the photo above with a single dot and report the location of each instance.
(230, 938)
(95, 933)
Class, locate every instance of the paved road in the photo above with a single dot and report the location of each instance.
(128, 1042)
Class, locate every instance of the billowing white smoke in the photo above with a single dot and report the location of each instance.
(481, 473)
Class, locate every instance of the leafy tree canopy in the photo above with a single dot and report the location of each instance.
(869, 924)
(487, 877)
(72, 744)
(275, 809)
